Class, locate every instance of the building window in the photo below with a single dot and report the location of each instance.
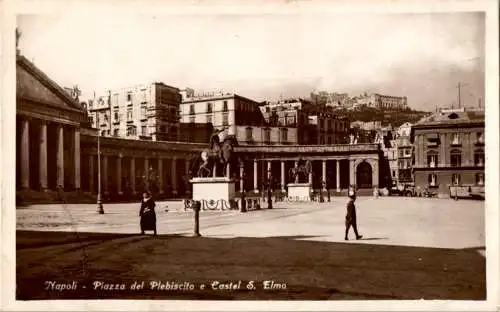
(103, 133)
(432, 159)
(455, 139)
(144, 130)
(143, 97)
(284, 135)
(480, 178)
(267, 135)
(115, 115)
(225, 119)
(479, 158)
(129, 97)
(456, 158)
(191, 109)
(329, 140)
(432, 179)
(455, 179)
(432, 139)
(480, 138)
(248, 134)
(191, 119)
(116, 132)
(393, 173)
(209, 118)
(401, 153)
(209, 107)
(144, 113)
(131, 131)
(224, 106)
(91, 120)
(129, 115)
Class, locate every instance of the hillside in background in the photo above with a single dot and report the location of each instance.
(394, 118)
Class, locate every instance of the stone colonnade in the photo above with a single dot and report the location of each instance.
(167, 173)
(48, 154)
(263, 168)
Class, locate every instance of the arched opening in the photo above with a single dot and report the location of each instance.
(364, 175)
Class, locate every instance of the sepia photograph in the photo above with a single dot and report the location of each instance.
(288, 152)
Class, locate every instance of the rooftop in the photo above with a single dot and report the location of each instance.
(452, 118)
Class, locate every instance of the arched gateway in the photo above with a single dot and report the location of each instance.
(364, 175)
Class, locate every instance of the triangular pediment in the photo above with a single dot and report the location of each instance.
(34, 85)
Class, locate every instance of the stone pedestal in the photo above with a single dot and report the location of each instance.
(207, 189)
(299, 191)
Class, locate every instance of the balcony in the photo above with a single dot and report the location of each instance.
(116, 122)
(129, 121)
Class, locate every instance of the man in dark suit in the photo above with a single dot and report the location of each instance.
(350, 218)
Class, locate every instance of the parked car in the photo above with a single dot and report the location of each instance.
(404, 189)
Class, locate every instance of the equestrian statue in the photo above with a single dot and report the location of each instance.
(218, 156)
(301, 171)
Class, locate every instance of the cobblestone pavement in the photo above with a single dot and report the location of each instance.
(387, 220)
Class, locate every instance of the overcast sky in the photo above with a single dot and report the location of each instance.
(421, 56)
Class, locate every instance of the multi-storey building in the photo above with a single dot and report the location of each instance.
(449, 150)
(236, 115)
(148, 112)
(331, 99)
(405, 153)
(223, 111)
(316, 124)
(384, 101)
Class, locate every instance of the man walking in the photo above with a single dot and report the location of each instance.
(350, 218)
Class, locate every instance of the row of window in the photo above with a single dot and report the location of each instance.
(455, 179)
(456, 139)
(267, 135)
(455, 158)
(209, 108)
(210, 118)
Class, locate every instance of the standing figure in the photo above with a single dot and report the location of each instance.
(350, 218)
(148, 214)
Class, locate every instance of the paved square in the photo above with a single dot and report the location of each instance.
(412, 248)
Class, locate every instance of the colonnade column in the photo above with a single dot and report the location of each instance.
(338, 175)
(255, 184)
(43, 155)
(242, 178)
(160, 175)
(91, 174)
(119, 174)
(77, 158)
(374, 173)
(173, 174)
(282, 175)
(323, 173)
(60, 156)
(104, 176)
(132, 174)
(187, 165)
(352, 172)
(25, 157)
(268, 169)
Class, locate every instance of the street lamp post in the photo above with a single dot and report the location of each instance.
(100, 208)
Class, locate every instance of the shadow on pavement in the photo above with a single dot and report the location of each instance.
(310, 270)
